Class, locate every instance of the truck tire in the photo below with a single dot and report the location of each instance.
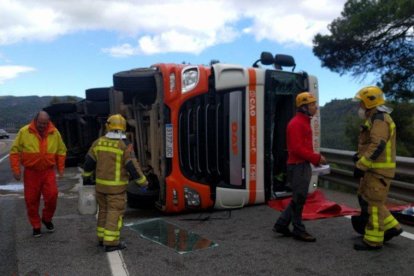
(80, 107)
(97, 94)
(60, 108)
(97, 108)
(141, 198)
(137, 83)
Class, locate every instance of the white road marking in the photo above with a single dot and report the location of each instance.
(404, 234)
(4, 157)
(407, 235)
(117, 263)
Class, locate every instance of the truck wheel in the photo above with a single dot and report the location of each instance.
(97, 108)
(137, 83)
(80, 107)
(141, 198)
(97, 94)
(59, 108)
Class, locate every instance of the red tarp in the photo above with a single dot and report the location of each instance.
(316, 207)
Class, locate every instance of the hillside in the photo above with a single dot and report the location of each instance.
(18, 111)
(334, 116)
(340, 126)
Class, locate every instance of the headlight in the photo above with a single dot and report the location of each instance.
(192, 198)
(172, 82)
(190, 78)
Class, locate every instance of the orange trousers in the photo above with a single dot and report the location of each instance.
(36, 184)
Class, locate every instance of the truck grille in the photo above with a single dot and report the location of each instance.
(205, 138)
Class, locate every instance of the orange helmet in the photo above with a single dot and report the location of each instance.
(371, 96)
(116, 122)
(304, 98)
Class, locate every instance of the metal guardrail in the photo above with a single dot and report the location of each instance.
(401, 190)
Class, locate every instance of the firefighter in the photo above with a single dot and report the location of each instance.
(300, 156)
(110, 163)
(39, 148)
(375, 167)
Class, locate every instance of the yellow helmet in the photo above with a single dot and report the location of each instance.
(371, 96)
(116, 122)
(304, 98)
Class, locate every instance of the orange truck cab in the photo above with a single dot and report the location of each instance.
(212, 136)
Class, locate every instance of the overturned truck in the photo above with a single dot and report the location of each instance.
(206, 136)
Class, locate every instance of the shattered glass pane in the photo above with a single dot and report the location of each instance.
(170, 235)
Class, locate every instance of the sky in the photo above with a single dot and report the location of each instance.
(63, 47)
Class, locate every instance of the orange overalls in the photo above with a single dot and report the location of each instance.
(38, 155)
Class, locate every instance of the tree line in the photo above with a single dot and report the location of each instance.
(342, 133)
(371, 38)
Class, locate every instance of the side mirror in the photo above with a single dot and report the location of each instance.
(266, 58)
(284, 60)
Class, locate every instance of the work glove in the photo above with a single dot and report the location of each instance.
(88, 181)
(358, 173)
(355, 157)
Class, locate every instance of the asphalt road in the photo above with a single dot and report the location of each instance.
(246, 244)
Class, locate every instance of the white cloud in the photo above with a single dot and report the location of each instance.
(124, 50)
(8, 72)
(150, 27)
(172, 41)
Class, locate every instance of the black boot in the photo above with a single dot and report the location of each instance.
(49, 226)
(391, 233)
(109, 248)
(362, 246)
(284, 230)
(304, 236)
(359, 223)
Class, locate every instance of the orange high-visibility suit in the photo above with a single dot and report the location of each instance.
(39, 156)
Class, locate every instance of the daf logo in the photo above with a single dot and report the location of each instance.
(234, 138)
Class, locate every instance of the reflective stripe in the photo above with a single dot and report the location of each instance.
(111, 182)
(388, 147)
(100, 232)
(118, 167)
(108, 146)
(374, 235)
(113, 235)
(379, 165)
(388, 164)
(120, 223)
(375, 221)
(141, 180)
(390, 222)
(109, 149)
(86, 174)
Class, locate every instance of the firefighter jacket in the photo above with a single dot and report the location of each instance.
(35, 152)
(114, 163)
(299, 141)
(376, 145)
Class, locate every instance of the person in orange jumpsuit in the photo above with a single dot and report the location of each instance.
(39, 148)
